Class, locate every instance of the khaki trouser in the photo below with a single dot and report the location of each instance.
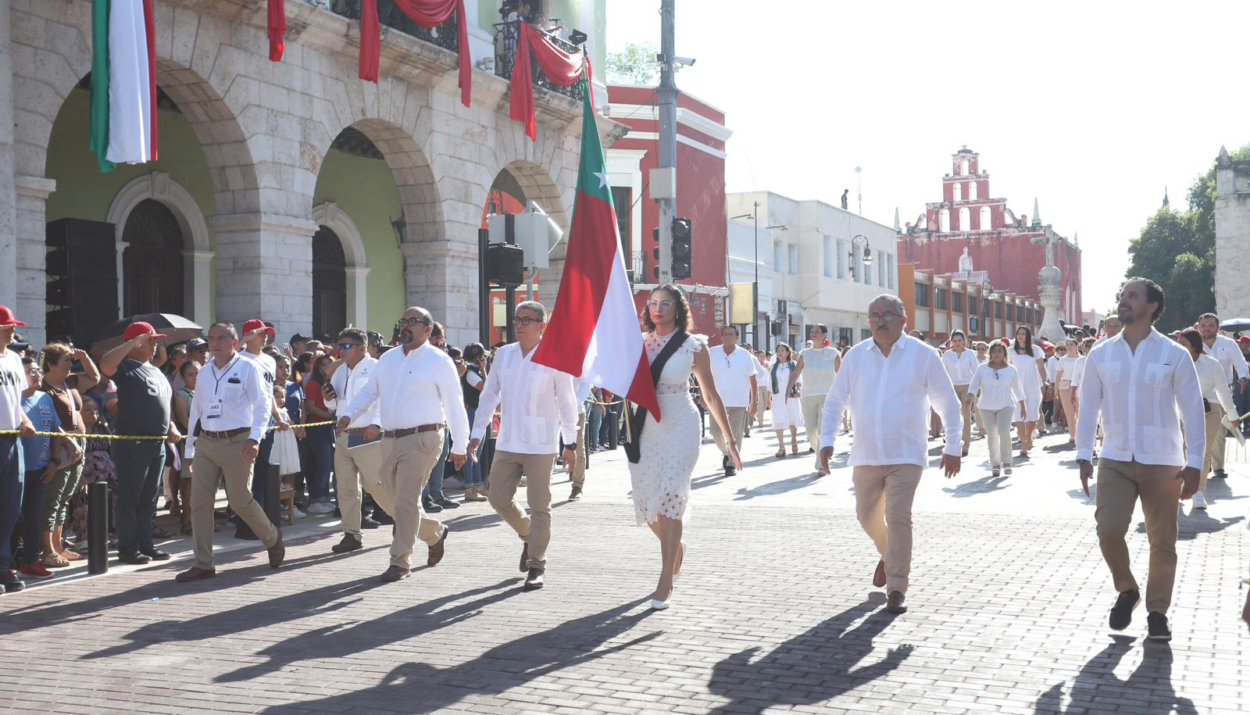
(1215, 426)
(1216, 446)
(762, 400)
(997, 424)
(965, 410)
(1120, 484)
(406, 465)
(1069, 409)
(505, 477)
(215, 460)
(737, 423)
(354, 469)
(578, 475)
(813, 407)
(883, 499)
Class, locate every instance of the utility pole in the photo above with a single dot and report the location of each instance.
(667, 92)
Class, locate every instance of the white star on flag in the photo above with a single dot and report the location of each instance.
(603, 178)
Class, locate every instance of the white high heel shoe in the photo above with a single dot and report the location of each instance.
(658, 605)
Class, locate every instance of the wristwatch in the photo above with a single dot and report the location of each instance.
(1084, 461)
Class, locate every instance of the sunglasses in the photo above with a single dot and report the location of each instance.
(347, 346)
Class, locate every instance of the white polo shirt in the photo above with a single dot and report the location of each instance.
(732, 373)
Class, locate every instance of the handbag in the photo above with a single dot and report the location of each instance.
(639, 416)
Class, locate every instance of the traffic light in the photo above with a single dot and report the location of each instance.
(682, 233)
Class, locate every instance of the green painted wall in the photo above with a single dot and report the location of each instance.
(365, 189)
(83, 192)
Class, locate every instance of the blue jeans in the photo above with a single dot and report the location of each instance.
(594, 422)
(32, 513)
(139, 468)
(320, 441)
(434, 488)
(472, 471)
(11, 487)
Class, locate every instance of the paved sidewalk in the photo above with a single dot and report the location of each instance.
(774, 612)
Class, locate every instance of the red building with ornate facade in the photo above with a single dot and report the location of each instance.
(701, 137)
(1010, 249)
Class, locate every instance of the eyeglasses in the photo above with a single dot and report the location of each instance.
(34, 372)
(661, 304)
(525, 321)
(346, 346)
(883, 317)
(410, 322)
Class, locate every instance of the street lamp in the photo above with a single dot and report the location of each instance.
(755, 285)
(987, 297)
(857, 240)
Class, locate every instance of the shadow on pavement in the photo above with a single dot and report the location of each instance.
(810, 668)
(779, 487)
(39, 616)
(984, 485)
(1096, 689)
(1196, 522)
(422, 688)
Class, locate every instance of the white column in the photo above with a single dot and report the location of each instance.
(199, 294)
(264, 270)
(8, 193)
(121, 274)
(31, 264)
(357, 297)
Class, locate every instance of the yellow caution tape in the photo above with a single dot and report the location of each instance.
(155, 438)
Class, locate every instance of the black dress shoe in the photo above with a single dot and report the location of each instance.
(10, 582)
(446, 503)
(534, 580)
(730, 470)
(382, 518)
(1220, 474)
(1158, 628)
(1122, 611)
(136, 558)
(576, 494)
(349, 543)
(368, 522)
(430, 507)
(155, 554)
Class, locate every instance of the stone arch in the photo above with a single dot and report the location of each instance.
(329, 214)
(158, 186)
(538, 186)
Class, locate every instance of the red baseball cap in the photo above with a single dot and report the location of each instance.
(6, 317)
(256, 324)
(140, 328)
(1244, 339)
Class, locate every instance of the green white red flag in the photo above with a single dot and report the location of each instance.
(123, 82)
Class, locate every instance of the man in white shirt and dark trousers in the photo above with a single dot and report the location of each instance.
(358, 454)
(12, 418)
(539, 408)
(1225, 350)
(961, 364)
(417, 390)
(228, 419)
(1137, 382)
(889, 383)
(733, 370)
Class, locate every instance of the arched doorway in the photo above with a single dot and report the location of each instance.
(329, 275)
(152, 262)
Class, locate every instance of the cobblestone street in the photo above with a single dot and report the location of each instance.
(774, 612)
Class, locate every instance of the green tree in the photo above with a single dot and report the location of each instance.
(634, 65)
(1175, 250)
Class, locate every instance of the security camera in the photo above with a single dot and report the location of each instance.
(683, 61)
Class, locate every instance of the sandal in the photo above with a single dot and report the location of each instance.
(781, 453)
(159, 533)
(53, 561)
(70, 555)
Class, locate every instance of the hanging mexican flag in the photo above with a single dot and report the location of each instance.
(594, 332)
(123, 82)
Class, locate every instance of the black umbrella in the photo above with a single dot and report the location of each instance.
(178, 328)
(1236, 324)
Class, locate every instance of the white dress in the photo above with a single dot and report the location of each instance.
(1031, 381)
(670, 447)
(786, 414)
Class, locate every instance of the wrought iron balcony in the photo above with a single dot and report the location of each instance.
(506, 34)
(445, 35)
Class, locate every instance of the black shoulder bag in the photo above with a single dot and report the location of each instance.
(639, 416)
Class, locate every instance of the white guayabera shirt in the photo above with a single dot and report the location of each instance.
(1140, 396)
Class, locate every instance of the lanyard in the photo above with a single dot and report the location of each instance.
(217, 377)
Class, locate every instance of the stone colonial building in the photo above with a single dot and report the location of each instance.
(1232, 236)
(291, 191)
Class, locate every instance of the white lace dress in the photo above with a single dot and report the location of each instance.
(670, 448)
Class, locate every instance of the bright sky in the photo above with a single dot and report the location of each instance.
(1091, 107)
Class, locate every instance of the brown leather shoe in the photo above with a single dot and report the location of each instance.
(394, 574)
(349, 543)
(195, 573)
(277, 552)
(525, 558)
(878, 578)
(897, 602)
(436, 551)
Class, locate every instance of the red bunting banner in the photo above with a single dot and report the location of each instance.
(427, 14)
(560, 67)
(277, 29)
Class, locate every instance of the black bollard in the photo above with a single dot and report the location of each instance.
(273, 486)
(614, 429)
(98, 528)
